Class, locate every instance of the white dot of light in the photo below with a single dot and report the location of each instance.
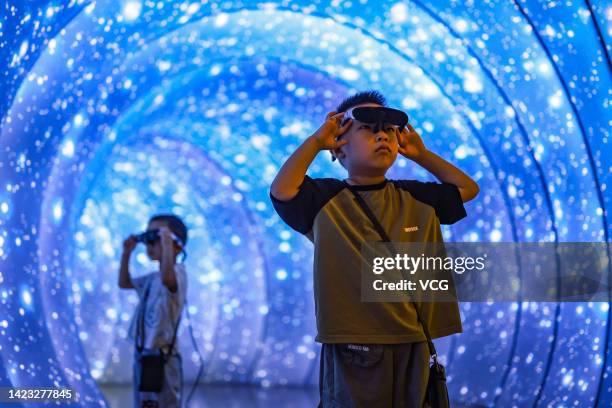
(461, 152)
(567, 379)
(193, 8)
(24, 48)
(52, 45)
(461, 25)
(111, 313)
(131, 10)
(221, 20)
(68, 148)
(472, 83)
(512, 191)
(107, 249)
(495, 235)
(399, 13)
(555, 100)
(410, 103)
(349, 74)
(164, 65)
(158, 100)
(78, 120)
(429, 90)
(58, 210)
(544, 67)
(4, 207)
(215, 70)
(281, 274)
(226, 180)
(26, 297)
(439, 56)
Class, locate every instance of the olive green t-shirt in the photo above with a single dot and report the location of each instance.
(326, 211)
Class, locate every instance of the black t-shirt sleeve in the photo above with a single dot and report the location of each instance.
(299, 212)
(445, 198)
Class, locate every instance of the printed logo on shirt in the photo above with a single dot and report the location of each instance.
(357, 347)
(411, 229)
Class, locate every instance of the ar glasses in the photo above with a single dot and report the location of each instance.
(378, 116)
(152, 236)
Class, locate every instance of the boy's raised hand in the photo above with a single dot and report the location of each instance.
(410, 143)
(129, 244)
(166, 236)
(329, 131)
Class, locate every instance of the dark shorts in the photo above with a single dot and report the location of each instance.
(171, 394)
(373, 375)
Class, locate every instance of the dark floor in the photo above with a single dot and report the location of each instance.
(236, 396)
(228, 396)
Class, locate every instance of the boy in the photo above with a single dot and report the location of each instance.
(373, 354)
(162, 296)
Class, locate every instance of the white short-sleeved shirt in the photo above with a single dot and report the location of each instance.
(163, 307)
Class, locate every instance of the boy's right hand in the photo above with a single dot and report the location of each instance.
(129, 244)
(327, 135)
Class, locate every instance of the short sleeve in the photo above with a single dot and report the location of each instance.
(299, 212)
(445, 198)
(140, 283)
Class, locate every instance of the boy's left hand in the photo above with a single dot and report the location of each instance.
(410, 144)
(166, 236)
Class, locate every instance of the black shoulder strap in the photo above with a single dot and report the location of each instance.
(383, 234)
(140, 333)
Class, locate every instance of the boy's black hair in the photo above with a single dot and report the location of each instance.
(372, 96)
(174, 223)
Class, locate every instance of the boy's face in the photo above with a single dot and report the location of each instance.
(368, 152)
(154, 251)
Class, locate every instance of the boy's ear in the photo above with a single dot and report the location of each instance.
(337, 153)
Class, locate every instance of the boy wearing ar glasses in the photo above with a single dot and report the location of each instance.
(157, 371)
(374, 354)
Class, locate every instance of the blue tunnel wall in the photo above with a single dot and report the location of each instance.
(115, 110)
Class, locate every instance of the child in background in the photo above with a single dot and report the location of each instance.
(161, 295)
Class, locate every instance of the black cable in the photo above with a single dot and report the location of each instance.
(195, 346)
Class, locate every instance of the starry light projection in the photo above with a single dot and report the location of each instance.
(115, 110)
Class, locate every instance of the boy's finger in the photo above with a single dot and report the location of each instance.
(330, 114)
(340, 143)
(346, 125)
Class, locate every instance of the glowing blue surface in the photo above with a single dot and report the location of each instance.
(121, 109)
